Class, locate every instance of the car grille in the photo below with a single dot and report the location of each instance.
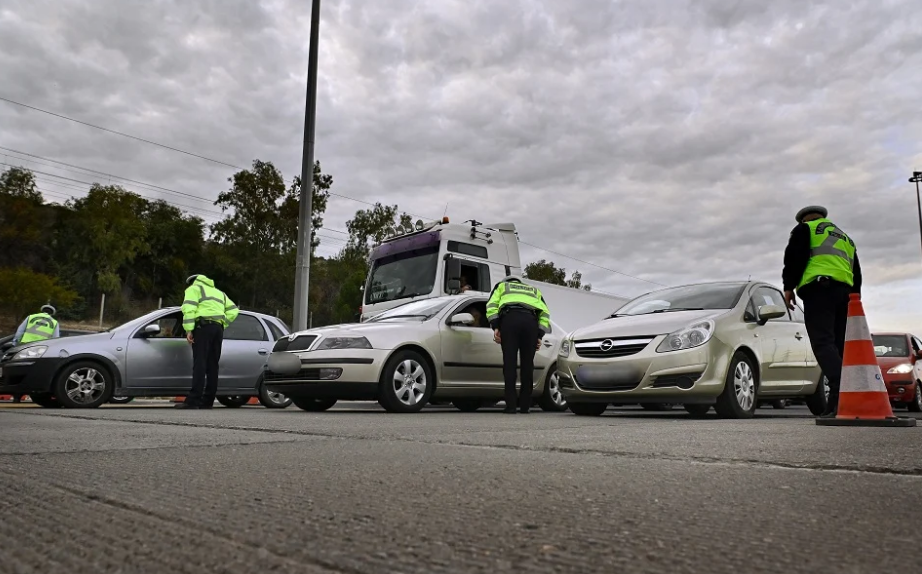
(611, 348)
(301, 343)
(607, 386)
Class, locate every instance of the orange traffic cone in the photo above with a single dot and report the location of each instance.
(253, 401)
(863, 397)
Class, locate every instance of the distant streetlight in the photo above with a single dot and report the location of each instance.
(916, 178)
(305, 238)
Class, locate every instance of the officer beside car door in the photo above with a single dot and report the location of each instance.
(520, 319)
(206, 312)
(821, 264)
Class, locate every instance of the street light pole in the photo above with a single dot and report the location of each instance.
(916, 178)
(305, 215)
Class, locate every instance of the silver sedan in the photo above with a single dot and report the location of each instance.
(145, 357)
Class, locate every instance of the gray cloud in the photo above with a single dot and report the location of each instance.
(672, 140)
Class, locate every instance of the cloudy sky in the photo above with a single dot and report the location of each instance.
(668, 140)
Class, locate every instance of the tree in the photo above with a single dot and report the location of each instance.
(19, 182)
(23, 292)
(25, 222)
(547, 272)
(371, 226)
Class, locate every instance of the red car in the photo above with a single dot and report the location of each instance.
(900, 358)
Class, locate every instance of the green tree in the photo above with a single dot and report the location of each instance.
(19, 182)
(371, 226)
(23, 292)
(25, 222)
(547, 272)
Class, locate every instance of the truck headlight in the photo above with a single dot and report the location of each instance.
(690, 337)
(565, 347)
(343, 343)
(30, 353)
(900, 369)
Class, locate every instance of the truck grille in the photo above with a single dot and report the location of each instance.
(611, 348)
(301, 343)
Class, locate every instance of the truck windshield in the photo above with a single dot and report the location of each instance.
(409, 274)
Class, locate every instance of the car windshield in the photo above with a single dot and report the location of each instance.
(409, 274)
(420, 310)
(890, 346)
(688, 297)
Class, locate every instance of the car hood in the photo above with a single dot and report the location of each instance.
(65, 342)
(645, 325)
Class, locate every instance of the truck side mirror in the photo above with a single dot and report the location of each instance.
(453, 269)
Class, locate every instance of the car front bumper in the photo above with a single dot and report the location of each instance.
(900, 388)
(691, 376)
(328, 374)
(26, 377)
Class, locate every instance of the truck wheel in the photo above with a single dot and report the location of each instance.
(588, 409)
(121, 400)
(656, 406)
(314, 405)
(697, 411)
(741, 389)
(552, 399)
(467, 405)
(233, 402)
(406, 383)
(83, 385)
(818, 401)
(45, 400)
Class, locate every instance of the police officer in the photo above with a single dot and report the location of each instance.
(37, 327)
(821, 264)
(520, 319)
(206, 312)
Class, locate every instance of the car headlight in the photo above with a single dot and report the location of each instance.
(343, 343)
(688, 338)
(900, 369)
(30, 353)
(565, 347)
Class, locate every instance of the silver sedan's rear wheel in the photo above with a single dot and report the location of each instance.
(406, 383)
(738, 399)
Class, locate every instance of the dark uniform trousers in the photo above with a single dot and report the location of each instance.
(825, 315)
(208, 337)
(518, 330)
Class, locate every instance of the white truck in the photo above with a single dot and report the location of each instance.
(439, 258)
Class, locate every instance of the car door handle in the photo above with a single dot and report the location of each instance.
(798, 336)
(263, 352)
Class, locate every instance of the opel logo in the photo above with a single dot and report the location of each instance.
(606, 345)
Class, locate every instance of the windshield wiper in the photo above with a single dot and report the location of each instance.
(669, 309)
(398, 317)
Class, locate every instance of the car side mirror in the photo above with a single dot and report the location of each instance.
(152, 329)
(769, 312)
(462, 319)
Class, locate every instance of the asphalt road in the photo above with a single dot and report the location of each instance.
(153, 489)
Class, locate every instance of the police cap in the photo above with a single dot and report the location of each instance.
(818, 209)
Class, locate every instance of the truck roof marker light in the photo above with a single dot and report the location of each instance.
(445, 219)
(419, 225)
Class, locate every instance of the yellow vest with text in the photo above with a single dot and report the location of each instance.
(515, 293)
(39, 327)
(832, 254)
(204, 301)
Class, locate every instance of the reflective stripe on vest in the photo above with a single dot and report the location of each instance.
(39, 327)
(832, 254)
(210, 306)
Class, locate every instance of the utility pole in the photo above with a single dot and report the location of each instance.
(916, 178)
(305, 239)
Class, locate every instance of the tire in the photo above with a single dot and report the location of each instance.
(121, 400)
(738, 400)
(313, 405)
(467, 405)
(552, 399)
(272, 400)
(45, 400)
(697, 411)
(83, 385)
(656, 406)
(779, 404)
(915, 406)
(818, 401)
(406, 383)
(233, 402)
(588, 409)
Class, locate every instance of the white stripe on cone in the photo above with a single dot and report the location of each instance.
(862, 379)
(856, 329)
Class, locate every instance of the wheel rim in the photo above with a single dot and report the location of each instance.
(409, 382)
(85, 385)
(744, 385)
(918, 395)
(276, 398)
(553, 387)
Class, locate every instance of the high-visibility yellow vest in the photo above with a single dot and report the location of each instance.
(39, 327)
(206, 302)
(832, 254)
(515, 293)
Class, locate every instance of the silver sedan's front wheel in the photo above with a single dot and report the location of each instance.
(406, 383)
(272, 399)
(83, 385)
(738, 399)
(552, 399)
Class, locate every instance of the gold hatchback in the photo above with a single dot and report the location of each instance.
(727, 345)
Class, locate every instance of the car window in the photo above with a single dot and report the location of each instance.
(170, 327)
(916, 344)
(768, 296)
(479, 310)
(890, 346)
(276, 332)
(245, 328)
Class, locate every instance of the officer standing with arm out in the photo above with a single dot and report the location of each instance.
(821, 264)
(37, 327)
(520, 319)
(206, 312)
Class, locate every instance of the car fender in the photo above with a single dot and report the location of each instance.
(416, 347)
(111, 364)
